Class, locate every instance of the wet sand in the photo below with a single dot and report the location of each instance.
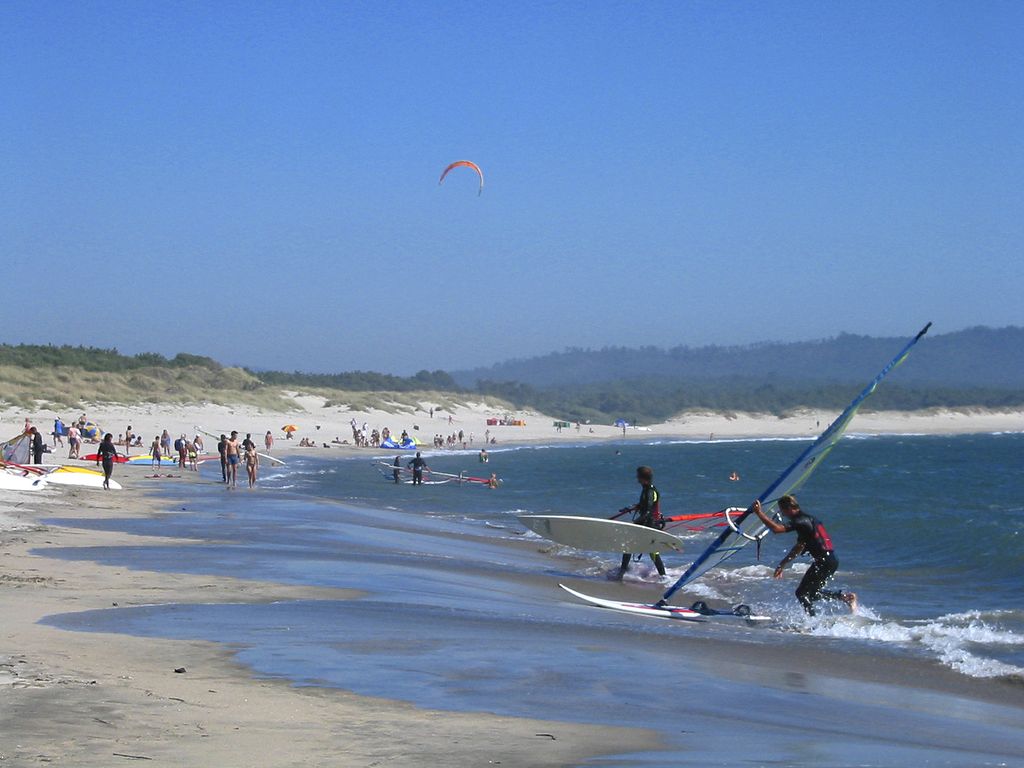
(95, 699)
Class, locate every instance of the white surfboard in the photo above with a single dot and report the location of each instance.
(599, 535)
(699, 612)
(13, 482)
(79, 476)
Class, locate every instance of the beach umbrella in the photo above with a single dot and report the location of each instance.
(289, 428)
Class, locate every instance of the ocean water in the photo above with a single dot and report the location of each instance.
(461, 608)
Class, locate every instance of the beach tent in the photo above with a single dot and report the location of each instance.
(620, 423)
(387, 442)
(406, 444)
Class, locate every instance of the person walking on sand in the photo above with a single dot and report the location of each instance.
(418, 464)
(647, 511)
(157, 450)
(106, 454)
(58, 432)
(193, 455)
(268, 441)
(127, 440)
(165, 443)
(231, 451)
(811, 538)
(252, 463)
(74, 442)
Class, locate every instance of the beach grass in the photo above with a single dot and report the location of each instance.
(62, 387)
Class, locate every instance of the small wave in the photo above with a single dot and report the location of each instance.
(949, 638)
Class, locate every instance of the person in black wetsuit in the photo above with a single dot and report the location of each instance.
(418, 465)
(647, 511)
(222, 449)
(813, 539)
(37, 445)
(106, 453)
(397, 471)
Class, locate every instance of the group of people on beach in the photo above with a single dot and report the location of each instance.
(234, 452)
(812, 540)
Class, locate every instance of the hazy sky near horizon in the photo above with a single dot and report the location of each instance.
(257, 181)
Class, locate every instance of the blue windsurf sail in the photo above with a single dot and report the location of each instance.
(745, 526)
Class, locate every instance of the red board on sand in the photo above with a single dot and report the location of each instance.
(96, 457)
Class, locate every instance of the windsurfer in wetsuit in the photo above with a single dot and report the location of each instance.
(811, 538)
(418, 465)
(107, 453)
(647, 511)
(397, 471)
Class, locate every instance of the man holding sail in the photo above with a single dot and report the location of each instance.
(812, 538)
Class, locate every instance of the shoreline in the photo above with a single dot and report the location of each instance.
(93, 699)
(326, 425)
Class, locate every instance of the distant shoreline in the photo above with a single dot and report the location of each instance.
(334, 422)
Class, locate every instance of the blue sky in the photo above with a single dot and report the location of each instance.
(257, 182)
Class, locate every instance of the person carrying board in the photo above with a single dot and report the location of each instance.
(811, 538)
(647, 511)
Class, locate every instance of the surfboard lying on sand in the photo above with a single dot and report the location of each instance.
(13, 482)
(79, 476)
(599, 535)
(119, 459)
(698, 612)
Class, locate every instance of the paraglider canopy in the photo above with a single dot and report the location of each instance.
(464, 164)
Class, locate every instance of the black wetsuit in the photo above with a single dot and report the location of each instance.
(648, 513)
(397, 472)
(417, 465)
(107, 452)
(222, 449)
(812, 534)
(37, 448)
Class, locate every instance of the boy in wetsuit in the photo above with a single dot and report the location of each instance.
(814, 540)
(647, 511)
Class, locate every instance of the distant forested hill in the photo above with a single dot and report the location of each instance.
(987, 358)
(978, 367)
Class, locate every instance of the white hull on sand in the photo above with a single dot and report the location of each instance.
(13, 482)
